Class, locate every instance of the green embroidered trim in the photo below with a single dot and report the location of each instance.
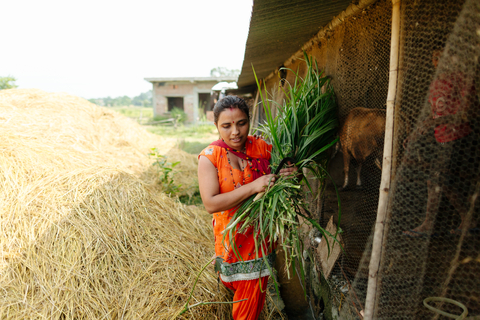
(246, 267)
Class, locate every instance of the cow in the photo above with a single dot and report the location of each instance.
(361, 135)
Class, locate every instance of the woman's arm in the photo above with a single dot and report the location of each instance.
(213, 200)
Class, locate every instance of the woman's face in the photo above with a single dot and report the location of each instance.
(232, 124)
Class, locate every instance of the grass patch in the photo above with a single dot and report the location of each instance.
(134, 112)
(185, 131)
(194, 147)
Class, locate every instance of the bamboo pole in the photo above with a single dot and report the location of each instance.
(387, 166)
(398, 125)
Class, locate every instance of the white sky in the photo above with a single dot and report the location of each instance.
(99, 48)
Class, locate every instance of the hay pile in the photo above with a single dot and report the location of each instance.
(85, 234)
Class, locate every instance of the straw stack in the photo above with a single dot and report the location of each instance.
(85, 234)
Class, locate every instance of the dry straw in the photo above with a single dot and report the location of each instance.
(86, 234)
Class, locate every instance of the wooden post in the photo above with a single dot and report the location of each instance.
(399, 129)
(378, 236)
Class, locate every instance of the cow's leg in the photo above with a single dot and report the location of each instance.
(337, 147)
(359, 180)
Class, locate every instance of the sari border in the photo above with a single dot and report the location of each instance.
(245, 270)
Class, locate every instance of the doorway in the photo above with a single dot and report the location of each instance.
(204, 103)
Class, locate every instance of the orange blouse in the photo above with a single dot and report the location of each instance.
(229, 179)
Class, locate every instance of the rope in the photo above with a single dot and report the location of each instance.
(443, 313)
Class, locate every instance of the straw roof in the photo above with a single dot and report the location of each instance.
(85, 232)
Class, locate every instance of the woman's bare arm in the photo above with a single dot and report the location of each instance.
(213, 200)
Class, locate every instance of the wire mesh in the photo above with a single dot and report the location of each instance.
(432, 240)
(431, 244)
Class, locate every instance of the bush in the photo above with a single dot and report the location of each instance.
(175, 113)
(165, 171)
(179, 114)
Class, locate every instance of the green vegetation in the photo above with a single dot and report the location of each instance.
(165, 179)
(194, 147)
(175, 113)
(7, 83)
(142, 100)
(195, 199)
(135, 112)
(165, 172)
(185, 131)
(179, 115)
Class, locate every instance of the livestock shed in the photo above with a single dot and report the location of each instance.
(190, 94)
(406, 79)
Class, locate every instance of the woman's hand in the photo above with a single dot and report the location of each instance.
(290, 170)
(260, 184)
(258, 136)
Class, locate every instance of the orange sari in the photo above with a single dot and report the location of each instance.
(243, 277)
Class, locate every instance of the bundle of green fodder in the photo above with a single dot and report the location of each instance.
(83, 235)
(301, 132)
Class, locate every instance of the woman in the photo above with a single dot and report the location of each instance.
(231, 170)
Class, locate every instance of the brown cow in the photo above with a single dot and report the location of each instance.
(361, 135)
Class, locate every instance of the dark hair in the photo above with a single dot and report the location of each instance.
(230, 102)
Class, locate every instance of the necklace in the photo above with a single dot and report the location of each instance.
(242, 170)
(247, 158)
(231, 171)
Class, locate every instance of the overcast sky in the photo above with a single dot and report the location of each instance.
(99, 48)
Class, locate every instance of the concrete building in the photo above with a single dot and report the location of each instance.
(193, 95)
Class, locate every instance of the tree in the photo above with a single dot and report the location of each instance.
(122, 101)
(142, 99)
(7, 83)
(224, 72)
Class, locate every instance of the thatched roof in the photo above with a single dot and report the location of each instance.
(279, 29)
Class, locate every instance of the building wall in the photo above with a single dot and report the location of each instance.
(188, 90)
